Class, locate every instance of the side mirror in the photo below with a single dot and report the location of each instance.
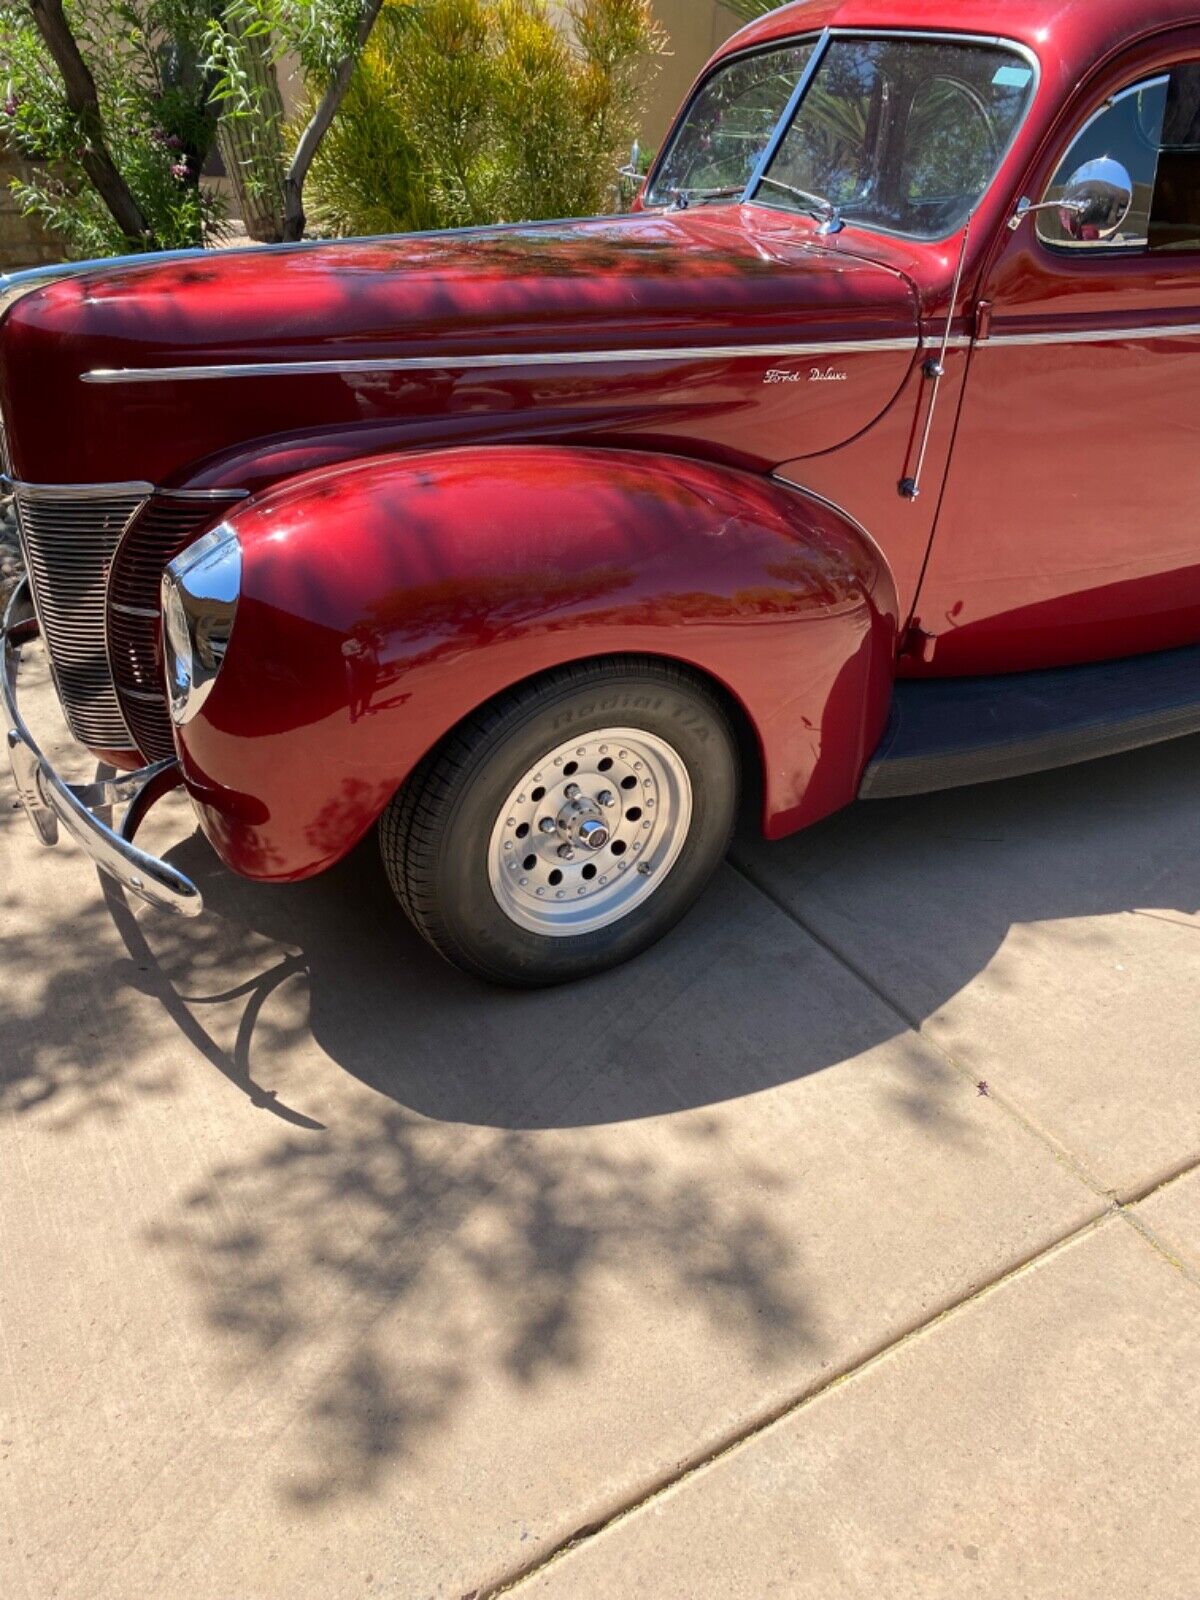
(1094, 203)
(633, 172)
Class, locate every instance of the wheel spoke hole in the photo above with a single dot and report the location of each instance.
(606, 764)
(633, 814)
(556, 878)
(589, 871)
(537, 794)
(571, 768)
(619, 847)
(529, 863)
(629, 783)
(523, 831)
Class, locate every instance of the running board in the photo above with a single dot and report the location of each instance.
(946, 732)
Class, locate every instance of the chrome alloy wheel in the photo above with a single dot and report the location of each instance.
(590, 832)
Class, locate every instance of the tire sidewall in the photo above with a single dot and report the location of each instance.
(686, 719)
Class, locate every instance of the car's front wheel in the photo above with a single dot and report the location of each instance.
(568, 824)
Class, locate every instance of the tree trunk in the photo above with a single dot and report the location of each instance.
(252, 146)
(318, 127)
(80, 88)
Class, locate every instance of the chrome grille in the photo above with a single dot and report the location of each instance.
(68, 535)
(168, 524)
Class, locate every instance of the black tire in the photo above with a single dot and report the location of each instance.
(435, 835)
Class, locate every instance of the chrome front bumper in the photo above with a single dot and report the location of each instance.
(49, 801)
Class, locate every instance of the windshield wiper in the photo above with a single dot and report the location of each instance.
(685, 197)
(829, 213)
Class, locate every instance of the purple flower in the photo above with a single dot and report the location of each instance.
(179, 169)
(10, 106)
(174, 142)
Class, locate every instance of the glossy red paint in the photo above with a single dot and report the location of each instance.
(652, 281)
(420, 540)
(1068, 526)
(382, 602)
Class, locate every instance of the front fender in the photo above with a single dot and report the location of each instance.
(385, 600)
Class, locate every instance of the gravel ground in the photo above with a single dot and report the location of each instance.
(10, 555)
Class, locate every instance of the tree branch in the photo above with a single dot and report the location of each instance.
(80, 88)
(318, 127)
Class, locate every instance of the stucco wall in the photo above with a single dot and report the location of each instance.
(23, 240)
(696, 28)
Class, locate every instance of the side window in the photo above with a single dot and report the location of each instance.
(1153, 129)
(1129, 128)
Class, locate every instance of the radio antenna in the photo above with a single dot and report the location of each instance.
(935, 368)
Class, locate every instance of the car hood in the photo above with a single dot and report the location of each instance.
(340, 323)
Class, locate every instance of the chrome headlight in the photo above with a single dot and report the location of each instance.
(200, 592)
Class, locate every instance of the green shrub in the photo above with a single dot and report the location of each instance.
(473, 111)
(159, 127)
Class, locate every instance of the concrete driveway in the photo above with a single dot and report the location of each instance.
(849, 1244)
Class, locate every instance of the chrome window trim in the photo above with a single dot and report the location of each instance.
(996, 40)
(568, 358)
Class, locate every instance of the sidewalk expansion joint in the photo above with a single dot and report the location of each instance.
(757, 1427)
(1058, 1151)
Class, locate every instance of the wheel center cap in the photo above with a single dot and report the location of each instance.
(581, 824)
(593, 835)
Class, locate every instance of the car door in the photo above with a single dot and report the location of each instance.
(1070, 523)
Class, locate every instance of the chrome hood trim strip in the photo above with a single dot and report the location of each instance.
(570, 358)
(105, 491)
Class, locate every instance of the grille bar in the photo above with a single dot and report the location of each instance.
(68, 537)
(166, 526)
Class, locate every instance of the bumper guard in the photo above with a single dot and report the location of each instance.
(48, 800)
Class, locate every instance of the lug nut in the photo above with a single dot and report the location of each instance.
(546, 825)
(565, 853)
(605, 797)
(572, 791)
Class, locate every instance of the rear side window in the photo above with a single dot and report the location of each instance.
(1175, 210)
(1153, 129)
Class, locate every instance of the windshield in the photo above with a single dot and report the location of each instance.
(902, 134)
(728, 126)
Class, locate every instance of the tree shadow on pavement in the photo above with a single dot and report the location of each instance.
(453, 1178)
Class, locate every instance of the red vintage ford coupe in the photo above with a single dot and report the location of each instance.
(863, 458)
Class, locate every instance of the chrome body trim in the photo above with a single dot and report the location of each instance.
(570, 358)
(74, 491)
(147, 613)
(104, 491)
(49, 800)
(1179, 330)
(200, 591)
(202, 494)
